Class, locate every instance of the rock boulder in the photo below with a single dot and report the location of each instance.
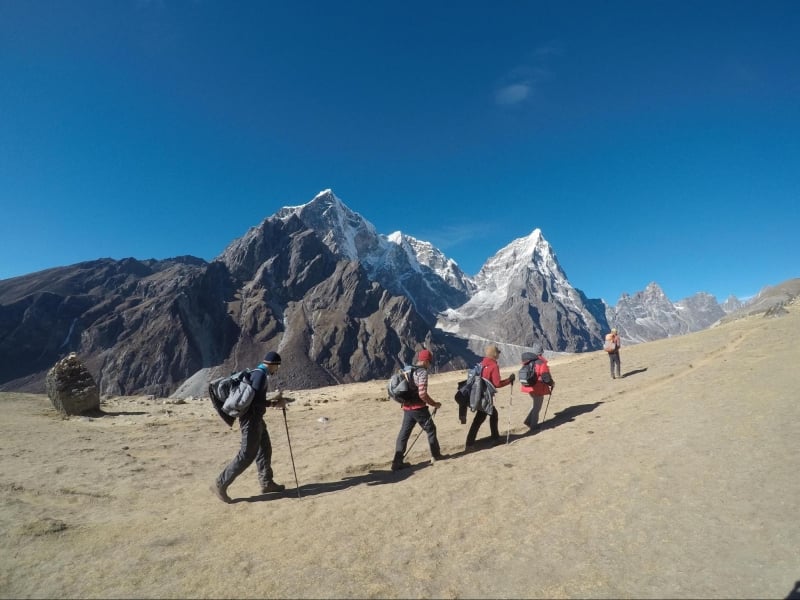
(71, 388)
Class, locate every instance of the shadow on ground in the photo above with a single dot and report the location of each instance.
(99, 413)
(373, 477)
(634, 372)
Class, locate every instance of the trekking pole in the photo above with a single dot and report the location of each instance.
(550, 395)
(510, 404)
(289, 441)
(419, 434)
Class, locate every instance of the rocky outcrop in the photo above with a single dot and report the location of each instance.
(71, 388)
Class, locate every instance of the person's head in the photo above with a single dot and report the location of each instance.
(273, 361)
(492, 351)
(537, 348)
(425, 357)
(614, 330)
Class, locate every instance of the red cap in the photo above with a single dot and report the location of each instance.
(425, 355)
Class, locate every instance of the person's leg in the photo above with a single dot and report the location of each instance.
(532, 420)
(494, 420)
(402, 439)
(251, 436)
(264, 463)
(611, 364)
(619, 365)
(477, 421)
(425, 420)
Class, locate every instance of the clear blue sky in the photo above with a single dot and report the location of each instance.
(650, 141)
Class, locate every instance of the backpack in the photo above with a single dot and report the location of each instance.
(401, 386)
(231, 395)
(609, 346)
(527, 374)
(481, 396)
(465, 387)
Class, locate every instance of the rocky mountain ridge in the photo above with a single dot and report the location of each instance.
(339, 301)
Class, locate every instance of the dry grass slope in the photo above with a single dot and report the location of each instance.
(678, 481)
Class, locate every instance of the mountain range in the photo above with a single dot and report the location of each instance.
(316, 282)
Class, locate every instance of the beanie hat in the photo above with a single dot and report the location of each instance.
(272, 358)
(424, 355)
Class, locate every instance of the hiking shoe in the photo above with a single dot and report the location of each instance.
(220, 492)
(402, 465)
(271, 486)
(438, 456)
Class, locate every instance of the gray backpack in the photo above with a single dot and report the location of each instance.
(401, 386)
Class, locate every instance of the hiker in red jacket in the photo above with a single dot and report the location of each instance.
(539, 389)
(491, 372)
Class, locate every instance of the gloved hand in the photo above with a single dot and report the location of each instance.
(511, 378)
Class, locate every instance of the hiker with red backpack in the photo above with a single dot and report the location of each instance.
(255, 444)
(535, 380)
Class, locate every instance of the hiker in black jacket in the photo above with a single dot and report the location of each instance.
(255, 437)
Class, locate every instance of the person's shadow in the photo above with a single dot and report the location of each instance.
(373, 477)
(634, 372)
(795, 593)
(99, 413)
(565, 416)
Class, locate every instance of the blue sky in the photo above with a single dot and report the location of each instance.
(649, 141)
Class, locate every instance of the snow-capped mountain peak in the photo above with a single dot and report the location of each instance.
(530, 253)
(343, 230)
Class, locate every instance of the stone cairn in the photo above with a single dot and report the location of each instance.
(71, 387)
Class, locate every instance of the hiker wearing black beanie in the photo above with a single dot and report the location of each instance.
(255, 445)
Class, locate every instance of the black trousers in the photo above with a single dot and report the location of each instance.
(478, 420)
(255, 446)
(425, 420)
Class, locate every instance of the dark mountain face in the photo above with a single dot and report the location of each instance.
(143, 327)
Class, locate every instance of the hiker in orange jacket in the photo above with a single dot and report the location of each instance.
(613, 353)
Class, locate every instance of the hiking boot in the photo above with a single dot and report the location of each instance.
(437, 456)
(396, 466)
(271, 486)
(220, 492)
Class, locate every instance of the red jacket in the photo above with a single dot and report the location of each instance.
(491, 371)
(540, 388)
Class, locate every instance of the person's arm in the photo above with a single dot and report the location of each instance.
(422, 388)
(494, 377)
(260, 381)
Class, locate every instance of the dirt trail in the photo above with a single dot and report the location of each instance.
(679, 481)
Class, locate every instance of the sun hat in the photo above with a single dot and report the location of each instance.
(425, 355)
(272, 358)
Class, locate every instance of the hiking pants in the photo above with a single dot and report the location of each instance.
(425, 420)
(613, 360)
(478, 420)
(532, 420)
(255, 446)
